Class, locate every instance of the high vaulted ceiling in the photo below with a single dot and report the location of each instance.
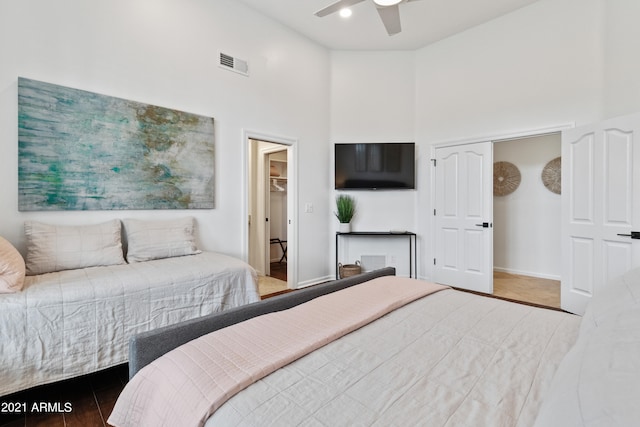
(423, 22)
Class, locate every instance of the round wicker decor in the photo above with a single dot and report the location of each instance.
(506, 178)
(551, 175)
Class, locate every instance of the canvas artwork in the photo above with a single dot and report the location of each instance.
(79, 150)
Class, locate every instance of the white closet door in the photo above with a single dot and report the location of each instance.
(600, 207)
(463, 216)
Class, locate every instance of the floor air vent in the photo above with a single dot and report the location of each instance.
(230, 63)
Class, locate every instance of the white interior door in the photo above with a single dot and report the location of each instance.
(463, 216)
(600, 205)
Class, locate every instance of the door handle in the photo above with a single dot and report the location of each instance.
(633, 235)
(484, 225)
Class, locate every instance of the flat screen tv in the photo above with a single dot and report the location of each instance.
(375, 166)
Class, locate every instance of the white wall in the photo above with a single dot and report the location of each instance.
(373, 100)
(541, 66)
(164, 52)
(551, 63)
(526, 223)
(538, 67)
(622, 62)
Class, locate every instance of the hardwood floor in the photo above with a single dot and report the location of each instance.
(528, 289)
(87, 400)
(270, 286)
(92, 397)
(276, 283)
(279, 270)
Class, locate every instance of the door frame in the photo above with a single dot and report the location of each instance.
(475, 140)
(291, 145)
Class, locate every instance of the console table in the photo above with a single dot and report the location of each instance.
(411, 237)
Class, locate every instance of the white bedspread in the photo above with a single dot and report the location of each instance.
(74, 322)
(187, 384)
(449, 359)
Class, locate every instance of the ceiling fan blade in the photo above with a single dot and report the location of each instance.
(336, 7)
(390, 18)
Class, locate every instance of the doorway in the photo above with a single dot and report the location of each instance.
(527, 219)
(460, 250)
(270, 236)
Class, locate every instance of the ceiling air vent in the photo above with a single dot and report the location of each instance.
(230, 63)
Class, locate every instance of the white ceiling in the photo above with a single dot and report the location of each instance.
(423, 22)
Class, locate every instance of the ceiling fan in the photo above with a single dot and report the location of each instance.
(387, 9)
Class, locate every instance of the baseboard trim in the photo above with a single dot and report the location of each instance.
(526, 273)
(331, 277)
(315, 281)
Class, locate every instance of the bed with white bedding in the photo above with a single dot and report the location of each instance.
(446, 359)
(68, 323)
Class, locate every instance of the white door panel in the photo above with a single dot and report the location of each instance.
(474, 250)
(600, 174)
(475, 205)
(463, 203)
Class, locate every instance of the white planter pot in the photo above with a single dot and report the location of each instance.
(345, 227)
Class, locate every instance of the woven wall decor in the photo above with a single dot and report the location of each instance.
(551, 174)
(506, 178)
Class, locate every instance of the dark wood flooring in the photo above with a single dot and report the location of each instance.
(90, 400)
(278, 270)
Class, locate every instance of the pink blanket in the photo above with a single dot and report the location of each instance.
(185, 386)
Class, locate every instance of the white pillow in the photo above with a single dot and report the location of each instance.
(620, 293)
(12, 269)
(596, 383)
(158, 239)
(58, 247)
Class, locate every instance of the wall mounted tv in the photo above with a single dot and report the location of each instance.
(375, 166)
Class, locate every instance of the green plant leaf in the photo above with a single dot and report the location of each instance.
(346, 208)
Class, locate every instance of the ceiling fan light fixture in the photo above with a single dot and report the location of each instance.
(386, 3)
(346, 12)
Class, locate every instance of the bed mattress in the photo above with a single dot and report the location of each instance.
(448, 359)
(74, 322)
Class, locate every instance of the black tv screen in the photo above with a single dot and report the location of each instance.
(375, 166)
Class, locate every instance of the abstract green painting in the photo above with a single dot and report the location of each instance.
(79, 150)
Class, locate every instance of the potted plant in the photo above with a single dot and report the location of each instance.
(346, 209)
